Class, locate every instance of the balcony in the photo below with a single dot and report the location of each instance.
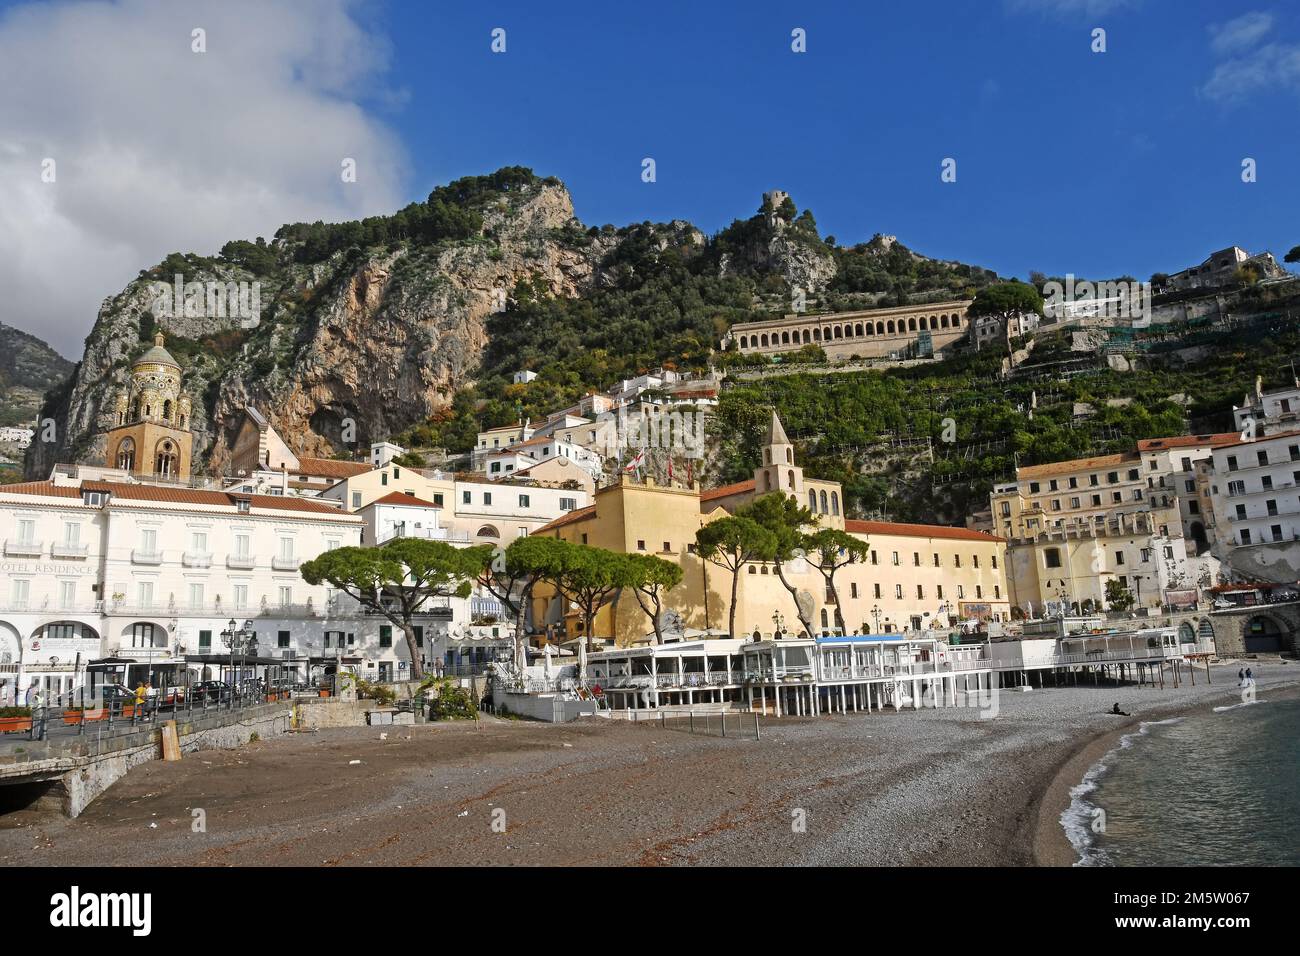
(69, 550)
(285, 564)
(139, 556)
(241, 562)
(23, 549)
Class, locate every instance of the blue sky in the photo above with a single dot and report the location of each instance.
(1100, 164)
(1067, 160)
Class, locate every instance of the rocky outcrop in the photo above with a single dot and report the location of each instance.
(356, 347)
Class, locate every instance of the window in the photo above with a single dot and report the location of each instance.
(640, 545)
(875, 557)
(1169, 553)
(523, 501)
(568, 504)
(1271, 507)
(242, 543)
(668, 547)
(936, 559)
(1096, 501)
(142, 635)
(1074, 482)
(281, 638)
(383, 478)
(1276, 531)
(286, 595)
(71, 533)
(995, 562)
(1262, 457)
(1241, 512)
(385, 635)
(1144, 555)
(898, 591)
(1052, 486)
(1117, 496)
(975, 559)
(205, 641)
(938, 591)
(1245, 536)
(149, 540)
(916, 559)
(1133, 474)
(356, 500)
(1074, 503)
(876, 590)
(979, 590)
(1033, 487)
(487, 498)
(1112, 477)
(1052, 558)
(196, 595)
(1093, 481)
(241, 595)
(1232, 463)
(144, 594)
(1119, 558)
(961, 592)
(286, 549)
(920, 592)
(419, 634)
(853, 590)
(466, 497)
(333, 638)
(67, 594)
(895, 559)
(997, 591)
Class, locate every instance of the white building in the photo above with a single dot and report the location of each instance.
(1269, 411)
(144, 580)
(1254, 489)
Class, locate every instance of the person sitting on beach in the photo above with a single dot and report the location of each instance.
(1117, 712)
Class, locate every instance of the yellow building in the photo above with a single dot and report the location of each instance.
(916, 576)
(151, 435)
(1074, 526)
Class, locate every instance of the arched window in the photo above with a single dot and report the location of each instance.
(789, 456)
(835, 502)
(857, 329)
(165, 459)
(812, 500)
(911, 325)
(880, 328)
(744, 342)
(807, 336)
(764, 341)
(823, 500)
(792, 479)
(488, 531)
(126, 455)
(817, 335)
(167, 410)
(943, 321)
(767, 481)
(785, 338)
(889, 326)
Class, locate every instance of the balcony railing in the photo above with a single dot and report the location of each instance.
(196, 559)
(285, 564)
(241, 562)
(23, 549)
(139, 556)
(69, 550)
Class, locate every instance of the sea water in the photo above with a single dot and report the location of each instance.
(1214, 789)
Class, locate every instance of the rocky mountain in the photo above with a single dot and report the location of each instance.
(362, 330)
(28, 369)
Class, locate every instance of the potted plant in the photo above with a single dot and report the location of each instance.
(14, 719)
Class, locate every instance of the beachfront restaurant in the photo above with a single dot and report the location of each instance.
(1152, 644)
(794, 677)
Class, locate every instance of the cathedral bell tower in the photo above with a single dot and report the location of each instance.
(151, 435)
(779, 472)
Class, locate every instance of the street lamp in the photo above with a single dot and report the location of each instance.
(778, 623)
(238, 640)
(875, 613)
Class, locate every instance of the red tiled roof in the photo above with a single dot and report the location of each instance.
(330, 468)
(42, 488)
(725, 490)
(1213, 440)
(570, 518)
(1258, 438)
(917, 530)
(1076, 464)
(163, 493)
(400, 498)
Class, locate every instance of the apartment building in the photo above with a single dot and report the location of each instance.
(1253, 488)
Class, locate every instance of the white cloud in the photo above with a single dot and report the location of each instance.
(1241, 33)
(161, 149)
(1070, 8)
(1251, 68)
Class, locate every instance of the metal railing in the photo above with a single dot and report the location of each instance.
(742, 725)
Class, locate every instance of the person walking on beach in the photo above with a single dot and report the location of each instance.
(1241, 677)
(1249, 676)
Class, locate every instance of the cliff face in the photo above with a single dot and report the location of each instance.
(360, 330)
(378, 338)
